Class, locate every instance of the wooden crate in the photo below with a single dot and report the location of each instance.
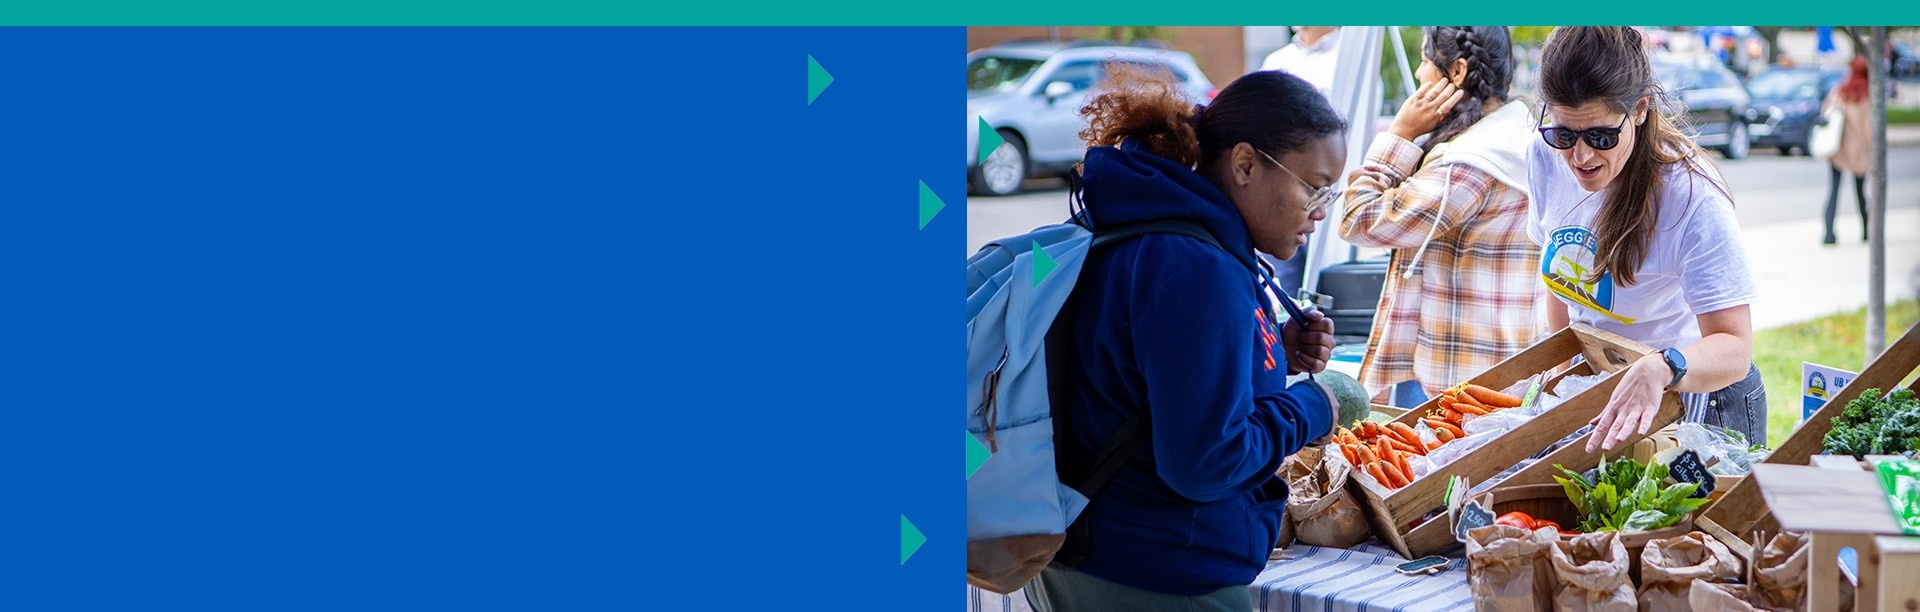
(1397, 515)
(1742, 511)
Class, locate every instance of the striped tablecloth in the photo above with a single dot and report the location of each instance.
(1313, 579)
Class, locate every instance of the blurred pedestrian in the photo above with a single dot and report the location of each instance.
(1311, 55)
(1638, 237)
(1856, 138)
(1461, 294)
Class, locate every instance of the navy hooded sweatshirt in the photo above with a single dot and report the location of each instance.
(1174, 323)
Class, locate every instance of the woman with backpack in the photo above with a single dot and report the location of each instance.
(1461, 294)
(1638, 237)
(1189, 329)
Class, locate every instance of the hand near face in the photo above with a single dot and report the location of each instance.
(1424, 111)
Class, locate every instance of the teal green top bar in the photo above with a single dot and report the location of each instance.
(980, 12)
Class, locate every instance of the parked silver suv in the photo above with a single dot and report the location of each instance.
(1031, 94)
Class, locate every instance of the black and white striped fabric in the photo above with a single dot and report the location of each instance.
(1315, 579)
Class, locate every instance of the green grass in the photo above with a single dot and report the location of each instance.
(1898, 116)
(1837, 340)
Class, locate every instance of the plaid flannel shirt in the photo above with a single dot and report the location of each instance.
(1475, 298)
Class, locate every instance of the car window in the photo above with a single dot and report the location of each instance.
(1784, 85)
(988, 73)
(1081, 74)
(1713, 79)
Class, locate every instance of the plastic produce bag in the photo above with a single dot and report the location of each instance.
(1730, 447)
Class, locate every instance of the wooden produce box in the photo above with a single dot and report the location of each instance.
(1742, 512)
(1397, 515)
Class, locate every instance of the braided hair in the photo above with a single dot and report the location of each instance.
(1489, 54)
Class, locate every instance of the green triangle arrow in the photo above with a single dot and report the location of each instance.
(817, 79)
(1043, 264)
(989, 140)
(930, 204)
(910, 539)
(977, 455)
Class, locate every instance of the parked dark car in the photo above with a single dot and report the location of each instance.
(1905, 61)
(1789, 103)
(1717, 106)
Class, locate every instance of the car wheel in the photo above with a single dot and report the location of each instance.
(1737, 143)
(1786, 151)
(1004, 169)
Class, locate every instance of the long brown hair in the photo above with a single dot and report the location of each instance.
(1610, 65)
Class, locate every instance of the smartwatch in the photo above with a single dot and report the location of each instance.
(1676, 361)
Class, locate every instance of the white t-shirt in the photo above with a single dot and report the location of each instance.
(1315, 63)
(1695, 263)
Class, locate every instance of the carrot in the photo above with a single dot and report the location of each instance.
(1471, 409)
(1452, 415)
(1452, 429)
(1435, 424)
(1407, 448)
(1366, 454)
(1468, 400)
(1353, 458)
(1405, 468)
(1407, 434)
(1491, 398)
(1374, 470)
(1445, 435)
(1436, 444)
(1393, 475)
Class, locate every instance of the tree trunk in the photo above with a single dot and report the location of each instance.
(1877, 200)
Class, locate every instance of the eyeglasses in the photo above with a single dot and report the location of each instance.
(1600, 138)
(1320, 197)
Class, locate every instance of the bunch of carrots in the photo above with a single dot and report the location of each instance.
(1382, 450)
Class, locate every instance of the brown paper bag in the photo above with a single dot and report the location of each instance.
(1593, 574)
(1322, 508)
(1670, 567)
(1779, 576)
(1709, 597)
(1508, 568)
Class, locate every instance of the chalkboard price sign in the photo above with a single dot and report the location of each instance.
(1689, 468)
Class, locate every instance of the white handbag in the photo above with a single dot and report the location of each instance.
(1824, 142)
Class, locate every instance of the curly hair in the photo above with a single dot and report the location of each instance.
(1489, 54)
(1273, 111)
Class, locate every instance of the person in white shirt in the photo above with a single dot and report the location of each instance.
(1311, 56)
(1638, 237)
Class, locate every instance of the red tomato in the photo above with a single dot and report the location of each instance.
(1515, 519)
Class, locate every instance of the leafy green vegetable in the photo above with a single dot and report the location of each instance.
(1626, 495)
(1873, 425)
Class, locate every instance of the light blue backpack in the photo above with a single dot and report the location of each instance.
(1021, 504)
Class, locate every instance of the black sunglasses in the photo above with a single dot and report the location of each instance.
(1600, 139)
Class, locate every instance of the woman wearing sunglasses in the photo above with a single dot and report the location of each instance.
(1638, 237)
(1172, 322)
(1461, 294)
